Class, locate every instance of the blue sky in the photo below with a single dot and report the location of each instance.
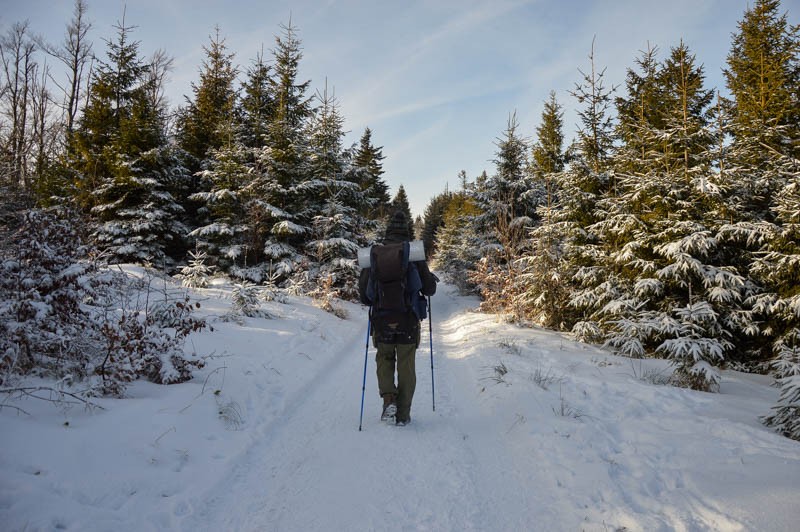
(434, 80)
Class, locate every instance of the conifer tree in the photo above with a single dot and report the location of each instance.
(779, 271)
(509, 198)
(292, 110)
(666, 289)
(545, 294)
(400, 203)
(595, 140)
(419, 225)
(202, 123)
(222, 234)
(368, 161)
(763, 75)
(686, 113)
(508, 202)
(434, 220)
(548, 150)
(283, 215)
(257, 105)
(639, 115)
(458, 243)
(606, 294)
(761, 169)
(335, 242)
(582, 186)
(125, 158)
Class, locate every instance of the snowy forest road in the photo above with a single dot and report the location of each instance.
(310, 468)
(532, 431)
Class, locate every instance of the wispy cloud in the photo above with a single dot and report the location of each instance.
(380, 94)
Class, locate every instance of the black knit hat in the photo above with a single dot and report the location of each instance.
(397, 230)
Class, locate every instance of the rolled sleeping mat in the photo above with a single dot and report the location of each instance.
(416, 251)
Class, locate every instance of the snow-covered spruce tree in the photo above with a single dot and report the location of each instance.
(778, 269)
(257, 104)
(245, 300)
(705, 292)
(434, 220)
(127, 169)
(400, 203)
(196, 273)
(583, 183)
(335, 242)
(458, 244)
(278, 205)
(781, 307)
(763, 75)
(139, 217)
(544, 295)
(367, 161)
(269, 224)
(777, 266)
(670, 293)
(786, 416)
(607, 296)
(223, 234)
(257, 111)
(508, 202)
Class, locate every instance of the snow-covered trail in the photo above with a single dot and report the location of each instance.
(532, 431)
(495, 456)
(311, 469)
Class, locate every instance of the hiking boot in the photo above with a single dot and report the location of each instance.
(389, 407)
(402, 421)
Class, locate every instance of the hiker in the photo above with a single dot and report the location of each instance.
(396, 333)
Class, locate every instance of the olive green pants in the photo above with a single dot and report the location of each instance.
(401, 357)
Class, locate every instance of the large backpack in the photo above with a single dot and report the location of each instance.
(387, 288)
(394, 282)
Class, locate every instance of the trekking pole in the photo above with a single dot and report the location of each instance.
(430, 336)
(364, 381)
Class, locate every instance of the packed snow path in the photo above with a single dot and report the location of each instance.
(488, 460)
(531, 432)
(311, 469)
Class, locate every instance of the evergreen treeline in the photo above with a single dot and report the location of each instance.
(251, 172)
(669, 227)
(249, 177)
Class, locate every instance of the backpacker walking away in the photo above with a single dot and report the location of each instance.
(395, 288)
